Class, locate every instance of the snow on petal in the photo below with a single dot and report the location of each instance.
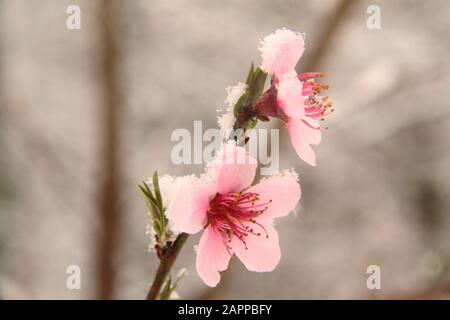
(212, 257)
(226, 117)
(234, 169)
(170, 185)
(281, 51)
(226, 122)
(281, 192)
(234, 93)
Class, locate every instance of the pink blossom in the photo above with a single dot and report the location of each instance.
(295, 96)
(281, 51)
(236, 217)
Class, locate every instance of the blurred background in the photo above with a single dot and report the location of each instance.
(86, 115)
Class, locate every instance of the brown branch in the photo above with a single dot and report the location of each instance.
(109, 210)
(327, 35)
(168, 258)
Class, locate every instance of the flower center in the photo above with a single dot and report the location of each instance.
(316, 106)
(234, 214)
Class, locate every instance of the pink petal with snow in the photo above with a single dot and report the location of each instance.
(263, 254)
(234, 169)
(187, 211)
(212, 257)
(283, 192)
(281, 51)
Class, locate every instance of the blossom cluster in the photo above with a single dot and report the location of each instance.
(236, 216)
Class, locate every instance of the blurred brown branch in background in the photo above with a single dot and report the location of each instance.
(327, 35)
(108, 209)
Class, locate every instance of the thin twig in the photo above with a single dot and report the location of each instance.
(168, 258)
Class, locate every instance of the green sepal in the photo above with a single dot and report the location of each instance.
(250, 74)
(256, 80)
(156, 188)
(156, 209)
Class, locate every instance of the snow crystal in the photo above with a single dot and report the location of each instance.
(281, 50)
(226, 115)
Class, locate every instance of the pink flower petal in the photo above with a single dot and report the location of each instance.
(311, 130)
(187, 210)
(289, 96)
(234, 169)
(263, 254)
(284, 191)
(212, 257)
(299, 138)
(281, 51)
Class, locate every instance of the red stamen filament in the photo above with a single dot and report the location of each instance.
(316, 107)
(232, 214)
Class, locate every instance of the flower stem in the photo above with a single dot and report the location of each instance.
(169, 255)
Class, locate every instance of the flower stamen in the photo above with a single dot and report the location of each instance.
(231, 215)
(316, 107)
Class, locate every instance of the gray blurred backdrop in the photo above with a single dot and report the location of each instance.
(86, 115)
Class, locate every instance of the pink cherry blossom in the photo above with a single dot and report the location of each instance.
(281, 51)
(296, 96)
(236, 217)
